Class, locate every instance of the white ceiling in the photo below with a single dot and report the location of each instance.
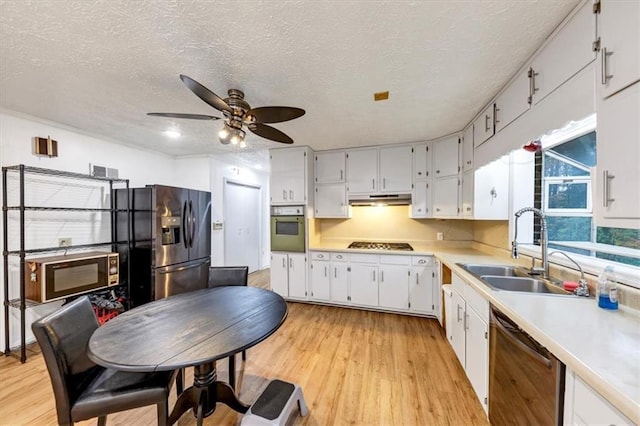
(100, 66)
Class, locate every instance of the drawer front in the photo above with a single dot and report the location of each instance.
(339, 257)
(422, 260)
(320, 255)
(364, 258)
(390, 259)
(590, 406)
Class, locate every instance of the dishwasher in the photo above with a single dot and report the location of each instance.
(526, 382)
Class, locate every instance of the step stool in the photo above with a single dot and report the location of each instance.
(275, 404)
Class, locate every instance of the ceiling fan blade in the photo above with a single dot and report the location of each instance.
(273, 114)
(269, 132)
(205, 94)
(179, 115)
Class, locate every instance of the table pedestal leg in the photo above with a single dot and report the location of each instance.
(204, 394)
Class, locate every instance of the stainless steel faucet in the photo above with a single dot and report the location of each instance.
(583, 288)
(543, 240)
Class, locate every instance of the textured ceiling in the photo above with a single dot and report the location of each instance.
(101, 65)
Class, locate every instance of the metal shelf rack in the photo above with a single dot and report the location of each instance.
(22, 303)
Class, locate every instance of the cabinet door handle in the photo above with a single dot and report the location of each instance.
(374, 276)
(384, 183)
(335, 272)
(495, 116)
(466, 321)
(283, 264)
(603, 64)
(291, 194)
(417, 278)
(422, 261)
(486, 123)
(373, 184)
(290, 263)
(284, 194)
(325, 271)
(341, 175)
(532, 84)
(606, 182)
(381, 276)
(459, 310)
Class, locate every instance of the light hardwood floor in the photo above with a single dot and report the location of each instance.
(355, 368)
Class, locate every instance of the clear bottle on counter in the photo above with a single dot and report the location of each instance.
(606, 291)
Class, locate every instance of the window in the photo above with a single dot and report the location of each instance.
(564, 192)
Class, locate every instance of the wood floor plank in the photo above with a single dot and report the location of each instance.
(355, 368)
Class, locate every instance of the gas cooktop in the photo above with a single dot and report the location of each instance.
(379, 246)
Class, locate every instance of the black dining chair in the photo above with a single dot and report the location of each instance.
(220, 276)
(82, 389)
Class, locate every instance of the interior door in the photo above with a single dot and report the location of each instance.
(242, 234)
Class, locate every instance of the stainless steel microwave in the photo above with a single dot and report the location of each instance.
(56, 277)
(287, 229)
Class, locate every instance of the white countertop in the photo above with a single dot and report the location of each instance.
(602, 347)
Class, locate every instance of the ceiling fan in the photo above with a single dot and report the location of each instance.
(238, 113)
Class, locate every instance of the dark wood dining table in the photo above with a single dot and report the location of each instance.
(191, 330)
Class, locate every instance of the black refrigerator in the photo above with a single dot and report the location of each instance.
(170, 240)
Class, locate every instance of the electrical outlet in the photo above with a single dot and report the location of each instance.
(440, 236)
(64, 242)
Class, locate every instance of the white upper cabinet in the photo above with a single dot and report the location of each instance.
(513, 102)
(445, 157)
(467, 149)
(445, 197)
(290, 168)
(421, 200)
(619, 45)
(570, 50)
(617, 200)
(484, 126)
(485, 191)
(331, 201)
(421, 161)
(395, 169)
(330, 167)
(379, 170)
(362, 171)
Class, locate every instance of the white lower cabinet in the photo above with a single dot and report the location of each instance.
(423, 294)
(393, 288)
(289, 274)
(585, 406)
(468, 332)
(389, 282)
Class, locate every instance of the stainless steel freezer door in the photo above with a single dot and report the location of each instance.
(200, 231)
(181, 278)
(170, 202)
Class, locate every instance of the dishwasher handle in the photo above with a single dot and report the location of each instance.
(510, 335)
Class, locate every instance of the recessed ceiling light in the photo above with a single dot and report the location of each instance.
(172, 133)
(381, 96)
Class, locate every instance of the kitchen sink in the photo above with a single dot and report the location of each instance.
(513, 278)
(479, 270)
(528, 285)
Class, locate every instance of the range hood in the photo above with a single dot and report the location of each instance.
(381, 199)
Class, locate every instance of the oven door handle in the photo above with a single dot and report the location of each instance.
(526, 348)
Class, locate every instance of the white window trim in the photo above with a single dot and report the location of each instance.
(625, 274)
(567, 181)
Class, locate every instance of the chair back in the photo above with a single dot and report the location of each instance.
(228, 275)
(63, 337)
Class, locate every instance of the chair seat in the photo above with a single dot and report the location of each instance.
(113, 391)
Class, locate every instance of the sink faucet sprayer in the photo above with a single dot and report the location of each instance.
(583, 288)
(543, 239)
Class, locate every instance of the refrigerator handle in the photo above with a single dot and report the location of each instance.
(184, 225)
(193, 224)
